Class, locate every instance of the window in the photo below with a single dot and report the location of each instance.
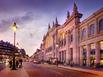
(71, 38)
(101, 45)
(101, 25)
(91, 30)
(101, 53)
(84, 55)
(60, 56)
(92, 52)
(83, 34)
(64, 41)
(71, 53)
(60, 43)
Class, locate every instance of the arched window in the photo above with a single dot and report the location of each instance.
(91, 29)
(101, 25)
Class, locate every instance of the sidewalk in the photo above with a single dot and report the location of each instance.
(2, 66)
(87, 70)
(13, 73)
(83, 70)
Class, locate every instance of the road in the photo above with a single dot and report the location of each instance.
(37, 70)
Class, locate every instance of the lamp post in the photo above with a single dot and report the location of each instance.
(14, 28)
(57, 53)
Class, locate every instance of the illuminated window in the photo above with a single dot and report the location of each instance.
(92, 46)
(84, 47)
(84, 52)
(92, 55)
(101, 56)
(101, 62)
(63, 35)
(92, 50)
(84, 55)
(101, 53)
(101, 45)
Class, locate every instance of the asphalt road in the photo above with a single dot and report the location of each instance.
(37, 70)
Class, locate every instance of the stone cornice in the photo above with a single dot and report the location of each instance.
(91, 16)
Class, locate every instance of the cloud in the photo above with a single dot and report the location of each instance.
(32, 17)
(21, 20)
(41, 5)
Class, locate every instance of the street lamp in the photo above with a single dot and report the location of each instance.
(57, 52)
(14, 28)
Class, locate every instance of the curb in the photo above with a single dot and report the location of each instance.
(84, 70)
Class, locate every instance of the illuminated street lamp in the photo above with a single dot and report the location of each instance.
(14, 28)
(57, 45)
(57, 52)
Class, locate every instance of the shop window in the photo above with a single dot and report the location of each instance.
(101, 45)
(101, 53)
(84, 52)
(101, 57)
(92, 55)
(84, 55)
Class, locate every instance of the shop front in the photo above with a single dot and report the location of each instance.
(92, 57)
(101, 53)
(84, 57)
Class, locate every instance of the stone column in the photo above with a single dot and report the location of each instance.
(78, 56)
(97, 52)
(88, 54)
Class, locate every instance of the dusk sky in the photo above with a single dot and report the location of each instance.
(33, 16)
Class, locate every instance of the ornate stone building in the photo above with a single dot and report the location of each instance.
(78, 42)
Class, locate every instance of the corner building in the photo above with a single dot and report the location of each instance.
(80, 43)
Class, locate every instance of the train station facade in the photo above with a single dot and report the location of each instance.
(75, 41)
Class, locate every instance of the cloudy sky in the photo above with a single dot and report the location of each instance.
(32, 18)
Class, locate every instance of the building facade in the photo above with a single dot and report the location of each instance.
(77, 42)
(6, 51)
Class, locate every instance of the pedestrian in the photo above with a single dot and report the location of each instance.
(17, 63)
(20, 63)
(10, 63)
